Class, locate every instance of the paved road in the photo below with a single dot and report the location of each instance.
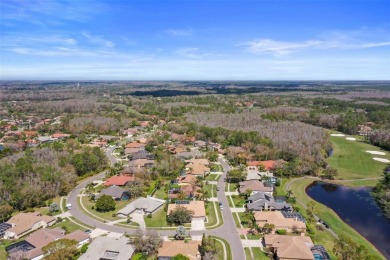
(227, 231)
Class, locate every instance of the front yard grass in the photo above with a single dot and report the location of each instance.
(239, 201)
(68, 226)
(161, 193)
(220, 251)
(258, 254)
(209, 188)
(211, 217)
(158, 219)
(236, 220)
(231, 187)
(213, 177)
(105, 215)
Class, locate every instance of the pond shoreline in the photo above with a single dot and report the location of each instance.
(356, 208)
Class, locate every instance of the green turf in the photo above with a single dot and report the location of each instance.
(220, 252)
(353, 162)
(210, 212)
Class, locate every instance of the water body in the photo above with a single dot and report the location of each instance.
(358, 209)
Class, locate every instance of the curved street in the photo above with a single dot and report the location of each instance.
(227, 231)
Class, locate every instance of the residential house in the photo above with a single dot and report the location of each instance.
(189, 249)
(109, 248)
(290, 247)
(131, 151)
(119, 180)
(190, 191)
(31, 247)
(59, 136)
(200, 144)
(142, 154)
(193, 154)
(262, 201)
(196, 206)
(117, 193)
(135, 145)
(25, 223)
(262, 168)
(255, 186)
(197, 169)
(141, 163)
(146, 205)
(280, 222)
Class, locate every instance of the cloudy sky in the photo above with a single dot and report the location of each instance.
(195, 40)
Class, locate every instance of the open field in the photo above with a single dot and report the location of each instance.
(331, 218)
(353, 162)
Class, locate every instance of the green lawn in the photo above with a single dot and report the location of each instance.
(331, 218)
(231, 186)
(210, 212)
(236, 220)
(161, 193)
(220, 251)
(353, 162)
(210, 189)
(279, 190)
(105, 215)
(258, 254)
(158, 219)
(238, 201)
(213, 177)
(68, 225)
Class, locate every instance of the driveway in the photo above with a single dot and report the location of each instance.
(138, 217)
(197, 224)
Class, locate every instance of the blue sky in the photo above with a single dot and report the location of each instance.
(195, 40)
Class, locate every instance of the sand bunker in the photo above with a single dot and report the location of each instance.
(351, 138)
(376, 152)
(381, 160)
(337, 134)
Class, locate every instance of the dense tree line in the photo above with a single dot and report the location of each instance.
(381, 192)
(381, 139)
(30, 178)
(303, 144)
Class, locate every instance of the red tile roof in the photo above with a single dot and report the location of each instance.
(268, 165)
(118, 180)
(134, 145)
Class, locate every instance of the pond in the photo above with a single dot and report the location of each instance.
(357, 208)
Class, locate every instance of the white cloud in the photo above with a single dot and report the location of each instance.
(279, 48)
(192, 53)
(179, 32)
(97, 39)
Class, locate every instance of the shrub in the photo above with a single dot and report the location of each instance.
(281, 231)
(84, 248)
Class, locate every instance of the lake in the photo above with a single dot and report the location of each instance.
(358, 209)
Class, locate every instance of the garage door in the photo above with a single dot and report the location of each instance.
(197, 224)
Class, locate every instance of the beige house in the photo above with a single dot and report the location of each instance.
(25, 223)
(171, 248)
(255, 186)
(280, 222)
(195, 206)
(290, 247)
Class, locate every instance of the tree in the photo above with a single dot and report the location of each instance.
(62, 249)
(53, 207)
(180, 257)
(146, 243)
(267, 228)
(136, 188)
(105, 203)
(346, 249)
(180, 233)
(235, 176)
(207, 247)
(180, 215)
(5, 212)
(330, 173)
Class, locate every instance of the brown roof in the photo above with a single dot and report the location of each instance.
(77, 235)
(197, 169)
(135, 145)
(277, 218)
(188, 178)
(172, 248)
(133, 150)
(140, 162)
(204, 162)
(42, 237)
(291, 247)
(24, 221)
(254, 185)
(196, 206)
(118, 180)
